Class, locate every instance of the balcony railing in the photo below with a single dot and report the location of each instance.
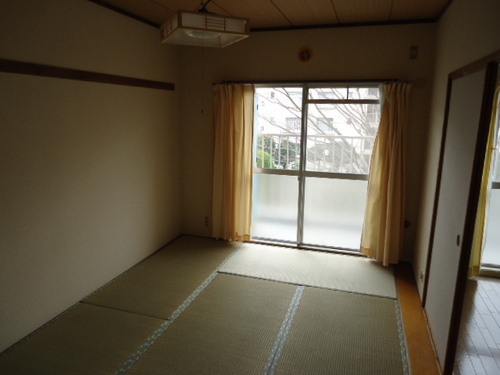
(325, 153)
(335, 189)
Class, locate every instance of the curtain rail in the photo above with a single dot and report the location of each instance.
(322, 82)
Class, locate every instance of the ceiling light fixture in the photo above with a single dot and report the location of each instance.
(203, 29)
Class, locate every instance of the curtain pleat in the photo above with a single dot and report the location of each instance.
(232, 166)
(384, 217)
(481, 216)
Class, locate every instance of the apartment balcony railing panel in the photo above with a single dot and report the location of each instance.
(325, 153)
(336, 183)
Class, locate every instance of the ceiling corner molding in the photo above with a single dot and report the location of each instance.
(344, 25)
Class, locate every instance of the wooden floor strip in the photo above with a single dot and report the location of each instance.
(420, 350)
(478, 349)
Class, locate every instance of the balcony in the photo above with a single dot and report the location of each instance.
(334, 196)
(491, 250)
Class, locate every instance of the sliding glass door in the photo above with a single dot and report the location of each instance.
(491, 250)
(313, 147)
(277, 145)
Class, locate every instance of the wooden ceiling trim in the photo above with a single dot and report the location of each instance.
(332, 2)
(363, 11)
(261, 13)
(423, 9)
(192, 6)
(343, 25)
(271, 15)
(148, 10)
(301, 12)
(175, 5)
(279, 10)
(218, 9)
(125, 13)
(444, 9)
(163, 5)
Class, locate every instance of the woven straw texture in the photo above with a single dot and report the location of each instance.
(342, 333)
(158, 285)
(85, 340)
(149, 321)
(229, 329)
(312, 268)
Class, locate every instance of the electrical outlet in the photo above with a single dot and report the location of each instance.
(206, 221)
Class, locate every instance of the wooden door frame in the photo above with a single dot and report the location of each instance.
(490, 63)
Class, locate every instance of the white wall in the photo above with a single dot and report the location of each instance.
(380, 52)
(90, 172)
(467, 32)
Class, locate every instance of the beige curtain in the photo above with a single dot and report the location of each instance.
(232, 168)
(480, 226)
(384, 217)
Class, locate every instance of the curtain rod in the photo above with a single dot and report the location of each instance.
(417, 82)
(306, 82)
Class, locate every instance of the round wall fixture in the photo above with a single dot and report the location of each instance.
(305, 54)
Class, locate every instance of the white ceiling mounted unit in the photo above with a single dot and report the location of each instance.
(203, 29)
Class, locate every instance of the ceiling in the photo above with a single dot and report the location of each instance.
(291, 14)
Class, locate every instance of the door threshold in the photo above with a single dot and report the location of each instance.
(292, 245)
(489, 271)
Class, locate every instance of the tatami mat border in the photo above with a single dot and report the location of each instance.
(306, 285)
(284, 332)
(305, 282)
(402, 338)
(57, 317)
(164, 326)
(280, 340)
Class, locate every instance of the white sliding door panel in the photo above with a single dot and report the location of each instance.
(462, 128)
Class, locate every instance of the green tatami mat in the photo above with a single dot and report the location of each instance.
(229, 329)
(85, 340)
(312, 268)
(342, 333)
(158, 285)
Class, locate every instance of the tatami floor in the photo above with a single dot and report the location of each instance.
(201, 306)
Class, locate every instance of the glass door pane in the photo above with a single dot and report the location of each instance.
(334, 211)
(278, 114)
(340, 137)
(491, 248)
(274, 212)
(339, 144)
